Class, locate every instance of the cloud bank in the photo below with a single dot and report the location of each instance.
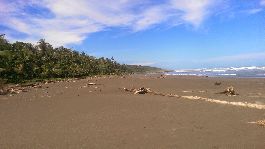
(63, 22)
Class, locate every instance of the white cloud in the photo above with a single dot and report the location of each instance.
(262, 2)
(253, 11)
(194, 11)
(12, 6)
(104, 12)
(67, 22)
(151, 16)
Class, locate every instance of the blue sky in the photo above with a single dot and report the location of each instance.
(175, 34)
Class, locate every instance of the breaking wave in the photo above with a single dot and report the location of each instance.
(252, 72)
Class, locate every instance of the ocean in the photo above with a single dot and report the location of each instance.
(242, 72)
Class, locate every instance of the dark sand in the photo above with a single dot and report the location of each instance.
(63, 115)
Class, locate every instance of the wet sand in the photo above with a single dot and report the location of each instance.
(76, 115)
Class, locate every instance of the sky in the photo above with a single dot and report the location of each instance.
(172, 34)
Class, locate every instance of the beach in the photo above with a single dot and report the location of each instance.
(97, 112)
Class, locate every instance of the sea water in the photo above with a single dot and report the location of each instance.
(246, 72)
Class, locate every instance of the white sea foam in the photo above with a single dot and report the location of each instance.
(225, 74)
(252, 71)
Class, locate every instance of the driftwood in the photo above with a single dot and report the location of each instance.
(229, 91)
(144, 90)
(141, 90)
(3, 91)
(162, 76)
(260, 123)
(91, 83)
(18, 88)
(12, 90)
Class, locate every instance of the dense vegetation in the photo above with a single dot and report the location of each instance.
(21, 61)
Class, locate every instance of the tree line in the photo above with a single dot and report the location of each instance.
(21, 61)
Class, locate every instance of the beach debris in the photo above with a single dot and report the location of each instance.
(229, 91)
(3, 92)
(18, 88)
(127, 90)
(29, 85)
(91, 83)
(24, 90)
(37, 86)
(187, 91)
(142, 90)
(14, 90)
(217, 83)
(83, 86)
(260, 123)
(172, 95)
(162, 76)
(50, 81)
(223, 102)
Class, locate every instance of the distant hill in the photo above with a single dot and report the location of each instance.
(143, 69)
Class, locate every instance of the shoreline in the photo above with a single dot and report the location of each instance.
(215, 75)
(249, 77)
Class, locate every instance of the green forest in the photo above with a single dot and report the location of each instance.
(21, 61)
